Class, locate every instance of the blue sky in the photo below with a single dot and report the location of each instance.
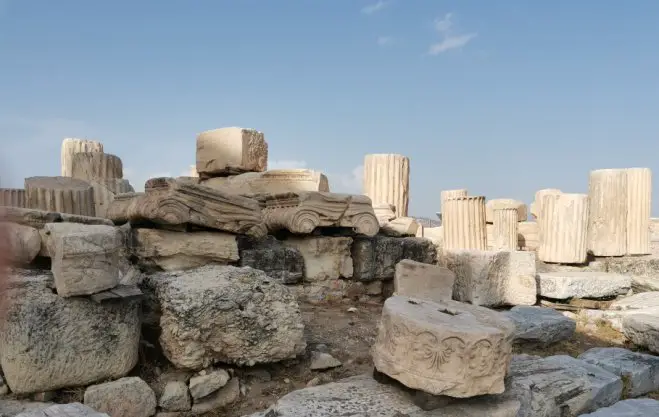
(500, 97)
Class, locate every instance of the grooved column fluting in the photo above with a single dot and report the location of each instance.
(505, 228)
(607, 221)
(464, 223)
(72, 146)
(564, 230)
(12, 197)
(387, 180)
(639, 204)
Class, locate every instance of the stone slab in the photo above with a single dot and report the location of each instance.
(425, 281)
(540, 325)
(642, 407)
(582, 284)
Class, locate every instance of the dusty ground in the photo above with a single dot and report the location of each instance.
(348, 336)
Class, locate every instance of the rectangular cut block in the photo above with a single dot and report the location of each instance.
(325, 258)
(564, 230)
(607, 220)
(463, 220)
(87, 262)
(387, 180)
(492, 278)
(578, 284)
(444, 348)
(401, 226)
(12, 197)
(231, 150)
(94, 166)
(376, 258)
(274, 181)
(639, 205)
(424, 281)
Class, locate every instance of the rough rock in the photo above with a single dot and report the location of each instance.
(227, 314)
(175, 397)
(321, 361)
(87, 262)
(582, 284)
(278, 261)
(492, 278)
(12, 408)
(63, 410)
(22, 243)
(376, 258)
(49, 342)
(362, 396)
(325, 258)
(639, 371)
(558, 386)
(540, 325)
(443, 348)
(425, 281)
(125, 397)
(642, 329)
(637, 301)
(642, 407)
(203, 385)
(223, 397)
(644, 270)
(171, 251)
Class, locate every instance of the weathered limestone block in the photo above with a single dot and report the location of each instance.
(607, 221)
(499, 203)
(325, 258)
(49, 342)
(443, 348)
(125, 397)
(387, 180)
(385, 212)
(424, 281)
(117, 185)
(463, 220)
(643, 270)
(562, 285)
(492, 278)
(39, 218)
(540, 325)
(175, 397)
(89, 166)
(227, 314)
(560, 386)
(528, 236)
(363, 396)
(642, 329)
(86, 262)
(564, 229)
(639, 371)
(52, 232)
(276, 181)
(504, 230)
(63, 410)
(170, 202)
(220, 399)
(401, 226)
(12, 197)
(102, 198)
(278, 261)
(639, 205)
(628, 408)
(71, 147)
(230, 151)
(171, 251)
(536, 206)
(203, 385)
(22, 243)
(376, 258)
(60, 194)
(302, 212)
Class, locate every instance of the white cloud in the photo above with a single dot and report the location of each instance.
(375, 7)
(449, 40)
(286, 164)
(385, 40)
(350, 183)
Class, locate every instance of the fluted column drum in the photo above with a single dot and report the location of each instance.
(71, 147)
(464, 224)
(639, 204)
(607, 221)
(387, 180)
(564, 231)
(504, 234)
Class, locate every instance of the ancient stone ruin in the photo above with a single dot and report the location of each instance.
(243, 291)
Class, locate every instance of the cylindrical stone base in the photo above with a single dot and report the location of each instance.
(536, 205)
(463, 221)
(387, 180)
(450, 194)
(12, 197)
(72, 146)
(505, 228)
(60, 194)
(94, 166)
(639, 204)
(564, 231)
(607, 221)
